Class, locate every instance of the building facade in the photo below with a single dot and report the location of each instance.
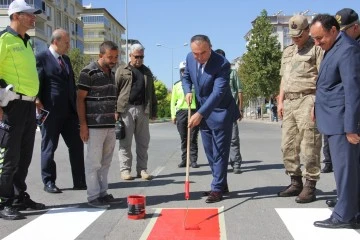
(100, 26)
(56, 14)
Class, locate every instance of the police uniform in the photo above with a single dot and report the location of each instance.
(18, 125)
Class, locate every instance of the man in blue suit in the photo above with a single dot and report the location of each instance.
(208, 72)
(57, 94)
(337, 111)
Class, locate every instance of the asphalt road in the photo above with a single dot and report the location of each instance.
(249, 211)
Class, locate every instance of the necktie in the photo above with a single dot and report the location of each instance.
(199, 73)
(62, 64)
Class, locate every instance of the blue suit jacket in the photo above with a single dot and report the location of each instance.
(57, 90)
(213, 94)
(337, 106)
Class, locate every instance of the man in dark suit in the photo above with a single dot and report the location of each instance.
(57, 94)
(337, 111)
(349, 23)
(209, 73)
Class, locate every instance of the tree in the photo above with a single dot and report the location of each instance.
(163, 98)
(78, 61)
(260, 66)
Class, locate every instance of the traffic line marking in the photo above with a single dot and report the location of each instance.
(73, 221)
(299, 222)
(168, 223)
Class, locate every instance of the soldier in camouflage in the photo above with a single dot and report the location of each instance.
(299, 70)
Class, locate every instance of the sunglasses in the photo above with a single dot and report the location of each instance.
(139, 57)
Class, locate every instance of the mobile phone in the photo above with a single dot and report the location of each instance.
(41, 117)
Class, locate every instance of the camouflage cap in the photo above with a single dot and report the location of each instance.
(297, 24)
(346, 17)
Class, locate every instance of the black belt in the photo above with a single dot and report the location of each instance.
(25, 98)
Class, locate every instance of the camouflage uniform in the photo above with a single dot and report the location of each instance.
(299, 70)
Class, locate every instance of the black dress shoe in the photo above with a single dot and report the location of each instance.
(214, 197)
(331, 202)
(194, 165)
(10, 213)
(50, 187)
(182, 164)
(328, 168)
(24, 202)
(334, 223)
(80, 187)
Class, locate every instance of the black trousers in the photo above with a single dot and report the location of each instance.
(326, 150)
(181, 123)
(17, 136)
(68, 127)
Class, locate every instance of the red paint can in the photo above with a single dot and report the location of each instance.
(136, 207)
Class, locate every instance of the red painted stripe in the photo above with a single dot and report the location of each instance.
(170, 225)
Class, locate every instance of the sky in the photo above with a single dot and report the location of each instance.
(172, 23)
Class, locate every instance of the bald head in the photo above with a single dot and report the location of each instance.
(60, 41)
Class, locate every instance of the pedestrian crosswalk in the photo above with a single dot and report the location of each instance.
(74, 220)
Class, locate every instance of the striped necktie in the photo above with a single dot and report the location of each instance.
(199, 71)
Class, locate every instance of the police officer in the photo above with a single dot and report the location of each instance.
(179, 116)
(299, 70)
(17, 119)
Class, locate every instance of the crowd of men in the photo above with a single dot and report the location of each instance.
(318, 95)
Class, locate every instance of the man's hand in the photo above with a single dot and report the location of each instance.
(39, 105)
(353, 138)
(280, 110)
(241, 115)
(195, 120)
(84, 133)
(188, 99)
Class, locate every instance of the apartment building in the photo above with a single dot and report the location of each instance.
(56, 14)
(100, 26)
(280, 24)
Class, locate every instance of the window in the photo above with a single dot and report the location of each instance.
(48, 12)
(48, 31)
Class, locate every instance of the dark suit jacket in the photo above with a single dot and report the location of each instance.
(337, 105)
(213, 94)
(57, 90)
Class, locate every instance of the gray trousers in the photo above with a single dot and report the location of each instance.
(100, 149)
(137, 125)
(235, 155)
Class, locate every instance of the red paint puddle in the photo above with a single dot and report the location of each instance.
(170, 225)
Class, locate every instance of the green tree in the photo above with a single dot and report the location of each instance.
(260, 65)
(78, 61)
(163, 98)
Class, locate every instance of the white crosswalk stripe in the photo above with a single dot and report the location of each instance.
(299, 222)
(72, 220)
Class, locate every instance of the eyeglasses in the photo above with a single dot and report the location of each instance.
(139, 57)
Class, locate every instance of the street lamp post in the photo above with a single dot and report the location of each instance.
(172, 59)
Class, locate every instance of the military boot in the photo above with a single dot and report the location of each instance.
(307, 195)
(294, 188)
